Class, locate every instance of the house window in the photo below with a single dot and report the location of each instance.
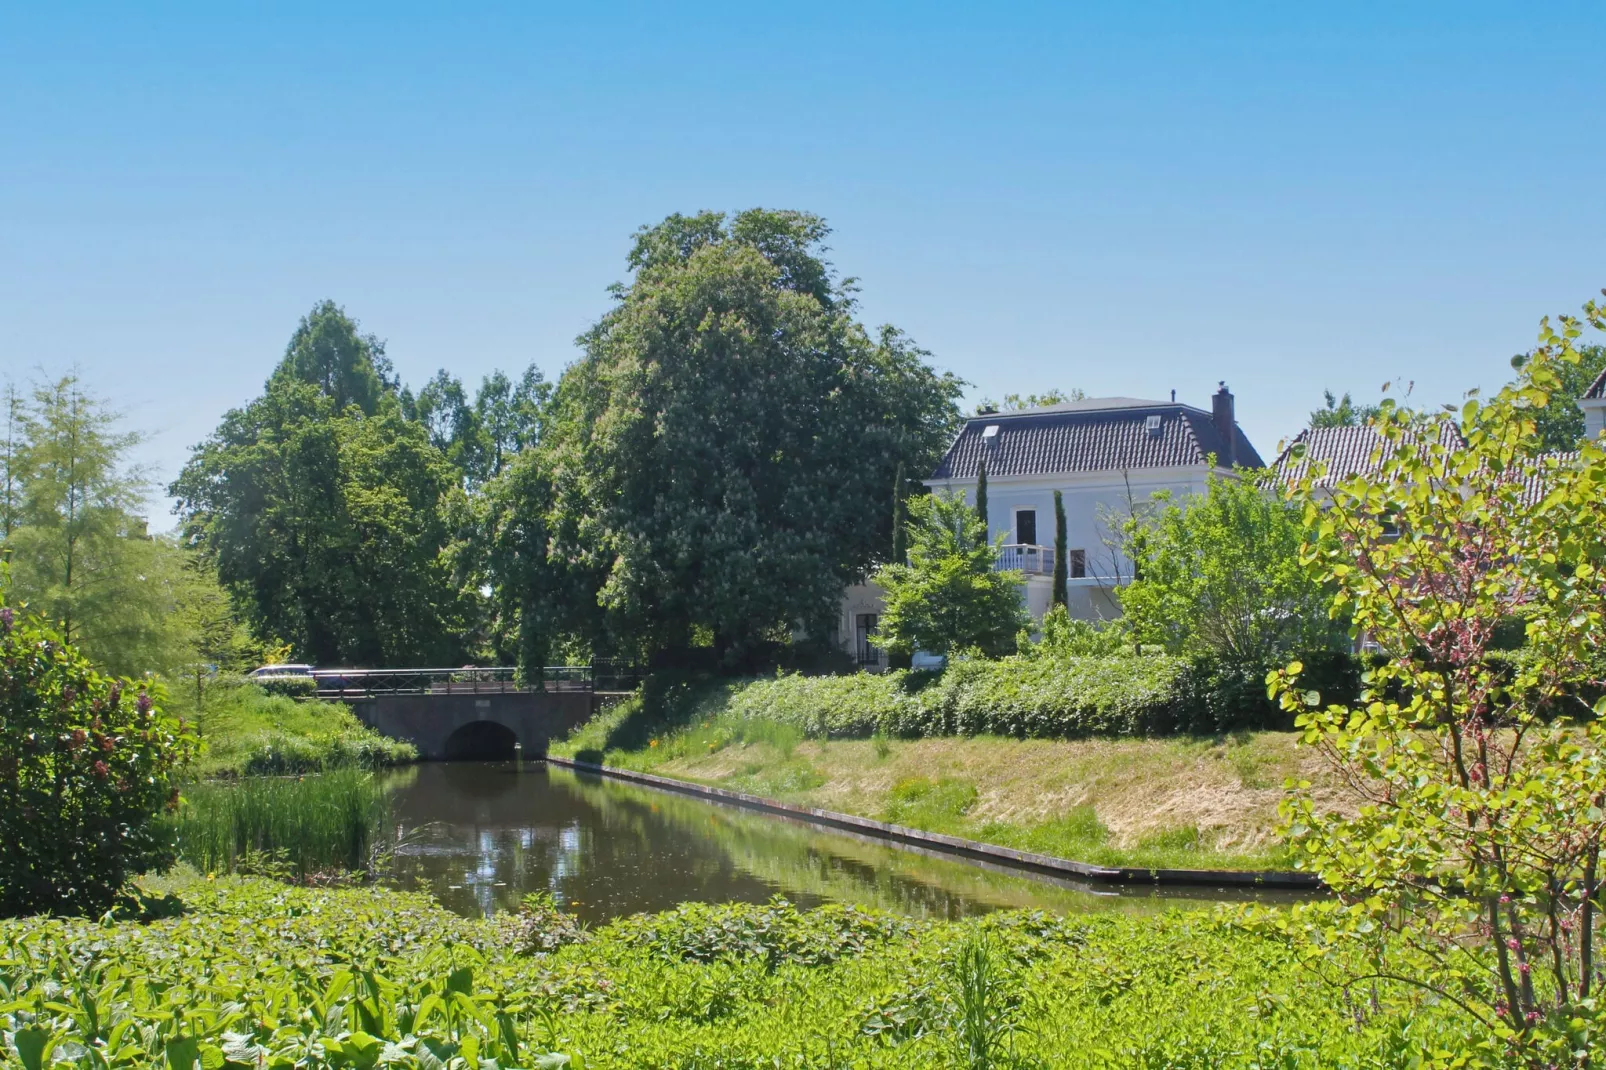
(1076, 564)
(1026, 527)
(865, 626)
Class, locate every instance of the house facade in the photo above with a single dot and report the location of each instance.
(1107, 457)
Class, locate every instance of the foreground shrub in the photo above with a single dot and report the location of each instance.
(1476, 850)
(86, 769)
(774, 933)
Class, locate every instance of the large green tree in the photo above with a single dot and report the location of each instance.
(328, 513)
(720, 454)
(950, 596)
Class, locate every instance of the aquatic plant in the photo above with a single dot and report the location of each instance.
(333, 821)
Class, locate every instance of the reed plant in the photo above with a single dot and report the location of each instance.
(305, 825)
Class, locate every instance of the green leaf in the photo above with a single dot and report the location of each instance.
(32, 1045)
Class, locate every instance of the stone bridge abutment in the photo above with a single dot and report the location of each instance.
(475, 726)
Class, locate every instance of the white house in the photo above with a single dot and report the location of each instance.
(1107, 457)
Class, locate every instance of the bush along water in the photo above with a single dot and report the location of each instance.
(87, 768)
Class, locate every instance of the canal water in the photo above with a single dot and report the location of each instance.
(480, 836)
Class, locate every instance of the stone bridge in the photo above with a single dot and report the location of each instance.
(479, 727)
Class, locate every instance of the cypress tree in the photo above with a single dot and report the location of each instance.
(981, 493)
(900, 549)
(1061, 566)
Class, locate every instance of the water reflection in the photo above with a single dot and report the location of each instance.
(481, 836)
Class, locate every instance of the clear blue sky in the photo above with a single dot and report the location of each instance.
(1124, 198)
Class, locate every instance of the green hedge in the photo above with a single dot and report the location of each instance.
(1127, 695)
(1009, 697)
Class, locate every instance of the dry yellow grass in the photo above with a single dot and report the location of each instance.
(1227, 789)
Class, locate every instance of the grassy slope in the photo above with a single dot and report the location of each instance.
(245, 730)
(1204, 803)
(704, 986)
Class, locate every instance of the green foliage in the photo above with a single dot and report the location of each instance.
(1065, 636)
(1052, 396)
(981, 497)
(985, 1002)
(774, 934)
(261, 974)
(79, 550)
(482, 437)
(335, 821)
(1220, 574)
(542, 926)
(249, 732)
(1471, 869)
(289, 686)
(1342, 412)
(328, 513)
(87, 766)
(719, 457)
(948, 597)
(1061, 594)
(923, 803)
(1559, 425)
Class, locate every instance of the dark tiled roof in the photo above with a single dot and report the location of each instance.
(1346, 451)
(1597, 389)
(1350, 451)
(1090, 436)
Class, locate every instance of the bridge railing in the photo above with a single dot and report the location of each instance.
(363, 683)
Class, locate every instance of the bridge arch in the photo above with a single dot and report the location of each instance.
(482, 741)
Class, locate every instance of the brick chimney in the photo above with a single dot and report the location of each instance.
(1226, 421)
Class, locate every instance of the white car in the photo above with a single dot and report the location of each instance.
(927, 661)
(267, 671)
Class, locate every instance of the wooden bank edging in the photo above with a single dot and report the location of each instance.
(955, 845)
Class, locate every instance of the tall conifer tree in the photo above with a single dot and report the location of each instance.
(1061, 566)
(981, 491)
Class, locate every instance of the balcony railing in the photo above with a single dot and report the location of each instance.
(1023, 557)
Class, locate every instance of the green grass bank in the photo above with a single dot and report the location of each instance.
(1206, 802)
(256, 973)
(248, 732)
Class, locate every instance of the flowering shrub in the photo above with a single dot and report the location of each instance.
(87, 767)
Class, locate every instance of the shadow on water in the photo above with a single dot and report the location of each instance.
(482, 835)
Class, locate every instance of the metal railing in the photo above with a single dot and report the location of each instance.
(1024, 557)
(471, 680)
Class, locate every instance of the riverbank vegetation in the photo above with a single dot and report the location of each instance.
(247, 732)
(330, 825)
(1182, 802)
(355, 977)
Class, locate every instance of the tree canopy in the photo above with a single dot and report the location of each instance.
(949, 597)
(1220, 573)
(720, 455)
(327, 513)
(1341, 412)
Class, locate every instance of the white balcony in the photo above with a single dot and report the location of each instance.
(1023, 557)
